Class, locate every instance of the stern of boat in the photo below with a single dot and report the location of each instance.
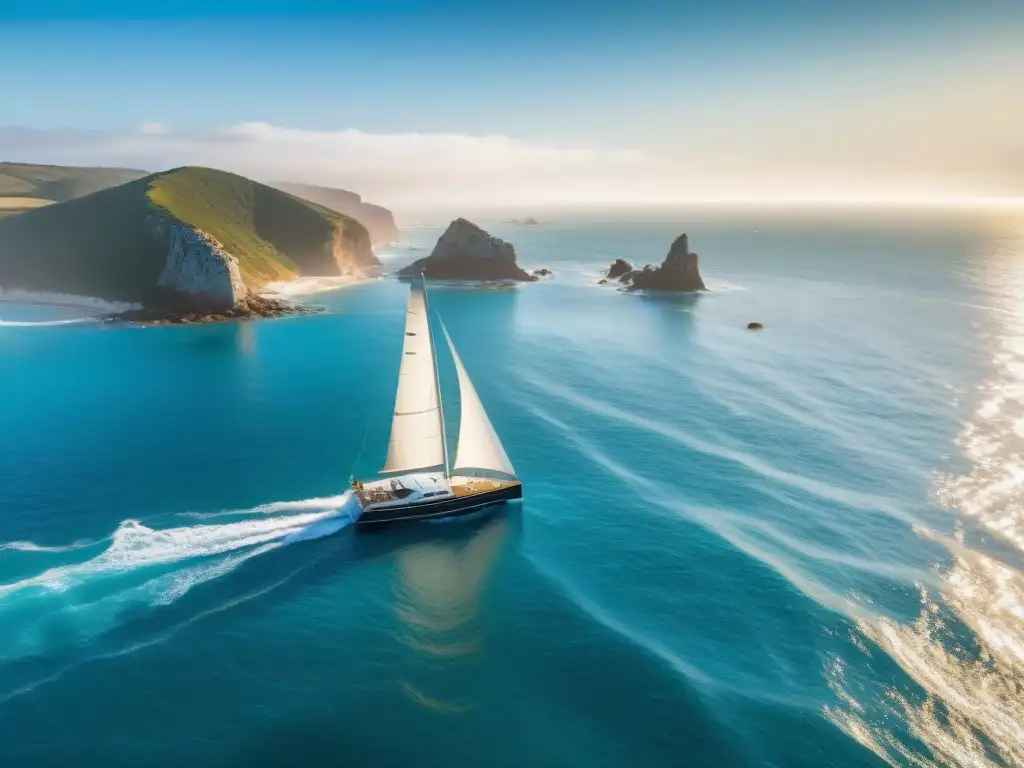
(471, 486)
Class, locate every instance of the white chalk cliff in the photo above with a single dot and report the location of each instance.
(197, 266)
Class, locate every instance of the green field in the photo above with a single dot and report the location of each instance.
(102, 244)
(59, 182)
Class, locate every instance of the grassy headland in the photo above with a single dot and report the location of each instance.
(102, 244)
(59, 182)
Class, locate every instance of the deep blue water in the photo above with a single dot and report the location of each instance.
(798, 547)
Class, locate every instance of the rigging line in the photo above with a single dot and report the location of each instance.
(362, 446)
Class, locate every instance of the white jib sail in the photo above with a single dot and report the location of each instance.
(479, 447)
(416, 437)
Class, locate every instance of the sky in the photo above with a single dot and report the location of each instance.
(413, 103)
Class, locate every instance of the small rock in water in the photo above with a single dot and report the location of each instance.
(602, 281)
(618, 268)
(755, 326)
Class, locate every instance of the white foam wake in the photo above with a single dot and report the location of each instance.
(28, 546)
(34, 323)
(101, 306)
(135, 546)
(147, 566)
(276, 507)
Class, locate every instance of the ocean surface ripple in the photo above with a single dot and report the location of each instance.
(799, 547)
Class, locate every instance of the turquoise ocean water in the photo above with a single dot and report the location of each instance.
(798, 547)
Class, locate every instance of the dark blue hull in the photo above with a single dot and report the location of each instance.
(431, 510)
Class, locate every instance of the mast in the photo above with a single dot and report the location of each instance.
(437, 378)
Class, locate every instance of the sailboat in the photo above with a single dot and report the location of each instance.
(421, 483)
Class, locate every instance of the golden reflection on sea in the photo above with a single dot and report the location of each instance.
(437, 587)
(970, 711)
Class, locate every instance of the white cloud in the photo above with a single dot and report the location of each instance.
(402, 169)
(153, 129)
(959, 141)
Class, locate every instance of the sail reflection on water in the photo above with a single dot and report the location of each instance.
(438, 587)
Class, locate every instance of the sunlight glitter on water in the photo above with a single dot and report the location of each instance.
(970, 684)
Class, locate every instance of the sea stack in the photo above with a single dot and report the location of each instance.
(678, 272)
(466, 252)
(619, 268)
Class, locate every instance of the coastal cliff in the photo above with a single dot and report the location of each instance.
(377, 220)
(190, 240)
(197, 266)
(467, 252)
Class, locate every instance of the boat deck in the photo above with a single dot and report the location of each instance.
(467, 486)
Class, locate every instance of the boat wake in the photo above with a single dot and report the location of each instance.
(144, 567)
(43, 323)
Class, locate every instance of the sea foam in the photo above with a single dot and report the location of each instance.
(148, 567)
(101, 306)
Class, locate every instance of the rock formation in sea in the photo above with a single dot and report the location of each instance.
(528, 221)
(678, 272)
(466, 252)
(755, 326)
(618, 268)
(543, 272)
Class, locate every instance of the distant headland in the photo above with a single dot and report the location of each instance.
(379, 221)
(190, 244)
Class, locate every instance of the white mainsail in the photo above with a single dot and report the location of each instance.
(479, 447)
(417, 434)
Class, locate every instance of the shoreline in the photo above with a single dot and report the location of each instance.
(276, 299)
(253, 306)
(308, 286)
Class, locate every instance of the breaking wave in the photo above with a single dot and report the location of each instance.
(101, 306)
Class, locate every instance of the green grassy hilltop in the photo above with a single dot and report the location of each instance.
(102, 244)
(59, 183)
